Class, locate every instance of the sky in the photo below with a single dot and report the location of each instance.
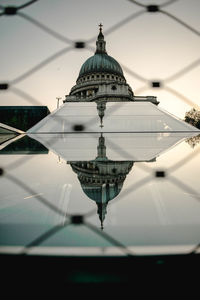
(151, 45)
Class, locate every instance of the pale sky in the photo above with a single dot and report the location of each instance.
(152, 45)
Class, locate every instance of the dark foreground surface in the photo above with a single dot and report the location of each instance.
(176, 271)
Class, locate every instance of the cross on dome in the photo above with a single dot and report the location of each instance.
(100, 27)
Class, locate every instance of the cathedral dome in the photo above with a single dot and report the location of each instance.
(100, 79)
(101, 63)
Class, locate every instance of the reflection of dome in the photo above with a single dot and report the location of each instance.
(101, 63)
(102, 193)
(101, 179)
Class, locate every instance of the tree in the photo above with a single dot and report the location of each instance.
(193, 117)
(193, 141)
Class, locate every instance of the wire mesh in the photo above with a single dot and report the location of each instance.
(78, 45)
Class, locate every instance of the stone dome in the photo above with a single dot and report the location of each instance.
(101, 63)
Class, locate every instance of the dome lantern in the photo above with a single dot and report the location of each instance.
(100, 43)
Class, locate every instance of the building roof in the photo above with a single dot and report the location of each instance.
(101, 63)
(22, 117)
(119, 117)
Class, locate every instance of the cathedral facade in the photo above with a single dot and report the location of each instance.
(101, 79)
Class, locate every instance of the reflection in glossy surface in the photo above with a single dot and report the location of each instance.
(145, 213)
(101, 179)
(22, 144)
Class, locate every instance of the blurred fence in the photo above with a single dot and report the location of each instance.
(71, 45)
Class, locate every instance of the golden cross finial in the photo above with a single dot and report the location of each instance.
(100, 27)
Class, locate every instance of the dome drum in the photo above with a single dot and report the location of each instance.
(96, 77)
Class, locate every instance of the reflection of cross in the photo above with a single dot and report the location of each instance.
(100, 27)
